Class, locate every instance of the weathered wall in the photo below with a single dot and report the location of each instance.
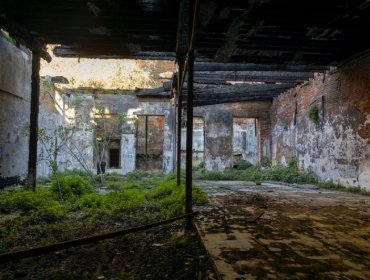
(213, 135)
(59, 115)
(75, 109)
(338, 147)
(245, 139)
(15, 95)
(198, 142)
(219, 148)
(218, 140)
(129, 104)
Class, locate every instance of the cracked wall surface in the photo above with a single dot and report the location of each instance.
(337, 148)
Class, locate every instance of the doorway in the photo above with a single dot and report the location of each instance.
(245, 139)
(149, 145)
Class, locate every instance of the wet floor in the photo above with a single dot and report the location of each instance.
(281, 231)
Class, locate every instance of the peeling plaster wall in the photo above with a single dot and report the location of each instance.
(58, 110)
(133, 107)
(245, 139)
(338, 147)
(218, 140)
(218, 158)
(214, 139)
(49, 120)
(198, 142)
(15, 96)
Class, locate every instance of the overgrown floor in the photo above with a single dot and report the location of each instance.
(276, 231)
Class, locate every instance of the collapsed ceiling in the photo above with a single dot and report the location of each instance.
(263, 41)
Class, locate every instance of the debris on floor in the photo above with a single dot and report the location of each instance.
(276, 231)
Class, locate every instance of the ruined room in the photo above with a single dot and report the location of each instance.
(190, 139)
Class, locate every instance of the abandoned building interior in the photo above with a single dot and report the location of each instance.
(258, 81)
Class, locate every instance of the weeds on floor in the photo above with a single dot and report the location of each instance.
(335, 186)
(279, 172)
(70, 206)
(284, 173)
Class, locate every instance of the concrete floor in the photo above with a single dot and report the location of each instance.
(281, 231)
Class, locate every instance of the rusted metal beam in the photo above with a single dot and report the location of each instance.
(35, 94)
(12, 256)
(179, 110)
(189, 139)
(193, 20)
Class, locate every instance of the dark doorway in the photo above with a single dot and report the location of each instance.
(149, 146)
(114, 158)
(114, 152)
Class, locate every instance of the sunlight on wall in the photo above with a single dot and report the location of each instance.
(107, 73)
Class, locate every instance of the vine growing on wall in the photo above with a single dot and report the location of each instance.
(313, 114)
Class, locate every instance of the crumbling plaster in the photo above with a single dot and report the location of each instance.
(337, 148)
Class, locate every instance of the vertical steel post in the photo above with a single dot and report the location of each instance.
(179, 109)
(174, 150)
(146, 139)
(35, 94)
(189, 139)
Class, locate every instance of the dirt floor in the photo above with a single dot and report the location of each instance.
(281, 231)
(161, 253)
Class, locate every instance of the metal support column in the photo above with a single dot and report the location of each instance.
(35, 93)
(179, 109)
(189, 139)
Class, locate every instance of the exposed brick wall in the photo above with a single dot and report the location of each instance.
(338, 147)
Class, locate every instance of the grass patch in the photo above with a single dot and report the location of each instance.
(330, 185)
(283, 173)
(72, 207)
(278, 172)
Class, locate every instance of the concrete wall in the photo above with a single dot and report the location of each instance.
(74, 109)
(66, 122)
(15, 95)
(218, 136)
(337, 148)
(218, 140)
(117, 104)
(245, 139)
(198, 142)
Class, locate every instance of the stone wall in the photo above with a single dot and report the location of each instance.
(336, 148)
(15, 96)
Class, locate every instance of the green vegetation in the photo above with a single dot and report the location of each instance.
(7, 37)
(335, 186)
(70, 206)
(278, 172)
(313, 114)
(282, 173)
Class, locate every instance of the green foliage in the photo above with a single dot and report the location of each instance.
(8, 37)
(313, 114)
(23, 201)
(242, 165)
(293, 162)
(70, 186)
(51, 211)
(73, 172)
(71, 207)
(266, 162)
(336, 186)
(278, 172)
